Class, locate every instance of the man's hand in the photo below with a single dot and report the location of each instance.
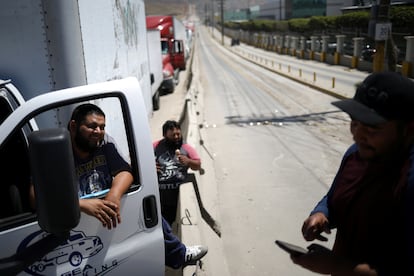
(120, 185)
(314, 225)
(115, 201)
(186, 161)
(104, 210)
(183, 159)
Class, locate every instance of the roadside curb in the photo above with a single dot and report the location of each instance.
(189, 215)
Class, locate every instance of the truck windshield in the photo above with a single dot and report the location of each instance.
(164, 47)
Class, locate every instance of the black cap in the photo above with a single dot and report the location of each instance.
(381, 97)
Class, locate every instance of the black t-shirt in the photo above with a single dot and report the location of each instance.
(96, 172)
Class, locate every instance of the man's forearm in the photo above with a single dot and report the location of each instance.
(120, 185)
(194, 164)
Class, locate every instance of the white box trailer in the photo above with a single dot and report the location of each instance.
(180, 33)
(54, 44)
(155, 58)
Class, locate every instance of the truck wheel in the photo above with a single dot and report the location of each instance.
(156, 101)
(75, 258)
(40, 267)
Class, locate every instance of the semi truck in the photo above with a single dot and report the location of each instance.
(56, 238)
(174, 46)
(54, 44)
(168, 73)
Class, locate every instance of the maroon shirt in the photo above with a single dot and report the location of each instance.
(367, 207)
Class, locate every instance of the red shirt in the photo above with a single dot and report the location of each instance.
(368, 209)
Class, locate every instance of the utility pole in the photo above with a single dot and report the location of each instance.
(382, 34)
(222, 21)
(212, 17)
(280, 10)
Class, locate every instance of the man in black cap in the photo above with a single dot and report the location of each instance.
(371, 200)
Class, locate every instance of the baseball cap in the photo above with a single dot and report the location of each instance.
(381, 97)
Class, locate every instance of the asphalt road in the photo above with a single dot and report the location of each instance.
(270, 148)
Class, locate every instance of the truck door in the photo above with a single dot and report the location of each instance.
(135, 246)
(178, 54)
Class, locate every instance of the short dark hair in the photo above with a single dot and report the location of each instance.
(169, 125)
(81, 111)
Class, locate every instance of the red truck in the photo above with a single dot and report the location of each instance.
(173, 46)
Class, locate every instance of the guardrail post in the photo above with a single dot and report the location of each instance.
(287, 44)
(407, 66)
(295, 41)
(302, 47)
(274, 43)
(313, 47)
(281, 44)
(357, 51)
(325, 39)
(339, 48)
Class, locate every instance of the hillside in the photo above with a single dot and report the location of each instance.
(177, 8)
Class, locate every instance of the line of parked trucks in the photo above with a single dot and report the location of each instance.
(175, 47)
(55, 55)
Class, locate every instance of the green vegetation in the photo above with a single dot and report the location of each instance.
(402, 18)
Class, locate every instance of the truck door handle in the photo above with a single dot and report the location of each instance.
(149, 205)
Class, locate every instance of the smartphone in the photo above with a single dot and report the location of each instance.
(291, 248)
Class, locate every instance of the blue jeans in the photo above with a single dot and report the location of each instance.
(174, 248)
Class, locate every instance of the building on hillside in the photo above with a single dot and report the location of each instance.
(357, 5)
(288, 9)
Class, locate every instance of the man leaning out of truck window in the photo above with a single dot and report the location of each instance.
(99, 167)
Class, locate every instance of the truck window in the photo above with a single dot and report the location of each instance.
(14, 171)
(164, 47)
(178, 48)
(14, 155)
(115, 129)
(5, 109)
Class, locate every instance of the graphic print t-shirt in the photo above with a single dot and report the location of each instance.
(96, 172)
(172, 171)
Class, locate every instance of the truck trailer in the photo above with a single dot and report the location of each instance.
(155, 58)
(55, 44)
(173, 45)
(85, 52)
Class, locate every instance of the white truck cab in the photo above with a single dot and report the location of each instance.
(56, 238)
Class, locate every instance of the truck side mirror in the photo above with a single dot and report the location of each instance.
(54, 180)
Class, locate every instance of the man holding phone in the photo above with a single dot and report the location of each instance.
(371, 200)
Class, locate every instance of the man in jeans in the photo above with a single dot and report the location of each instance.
(173, 158)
